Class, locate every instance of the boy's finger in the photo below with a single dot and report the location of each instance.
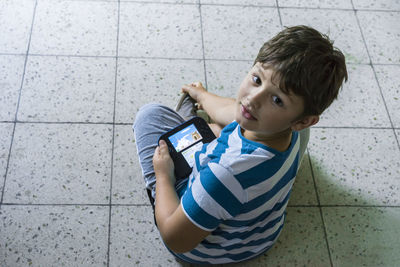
(197, 84)
(163, 148)
(157, 151)
(185, 87)
(162, 145)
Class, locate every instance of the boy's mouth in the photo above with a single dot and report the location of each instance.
(246, 113)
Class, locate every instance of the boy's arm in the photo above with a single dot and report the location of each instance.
(177, 231)
(220, 109)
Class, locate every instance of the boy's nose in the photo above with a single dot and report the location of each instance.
(255, 98)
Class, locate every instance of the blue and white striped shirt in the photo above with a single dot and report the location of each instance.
(239, 190)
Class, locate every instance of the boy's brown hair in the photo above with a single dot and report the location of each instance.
(307, 65)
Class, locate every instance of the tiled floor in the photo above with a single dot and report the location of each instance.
(74, 73)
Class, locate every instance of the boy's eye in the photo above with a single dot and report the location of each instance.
(256, 79)
(277, 100)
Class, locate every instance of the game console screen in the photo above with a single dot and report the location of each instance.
(187, 141)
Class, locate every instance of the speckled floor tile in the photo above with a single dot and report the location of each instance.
(360, 102)
(152, 80)
(91, 0)
(397, 132)
(166, 1)
(224, 77)
(303, 192)
(60, 163)
(340, 25)
(135, 240)
(389, 80)
(11, 71)
(382, 35)
(70, 77)
(227, 37)
(356, 166)
(160, 30)
(53, 236)
(343, 4)
(15, 24)
(128, 185)
(301, 242)
(75, 28)
(68, 89)
(5, 140)
(363, 236)
(240, 2)
(377, 5)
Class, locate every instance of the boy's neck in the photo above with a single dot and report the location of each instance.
(279, 141)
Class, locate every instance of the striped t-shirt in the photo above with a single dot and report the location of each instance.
(239, 190)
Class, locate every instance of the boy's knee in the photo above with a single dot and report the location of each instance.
(146, 112)
(149, 109)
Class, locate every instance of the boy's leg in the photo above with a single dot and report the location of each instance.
(186, 107)
(151, 122)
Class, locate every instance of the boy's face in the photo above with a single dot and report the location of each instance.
(262, 108)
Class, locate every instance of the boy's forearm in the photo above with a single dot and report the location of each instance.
(220, 109)
(178, 233)
(167, 200)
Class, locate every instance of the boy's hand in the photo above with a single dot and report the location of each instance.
(162, 162)
(195, 90)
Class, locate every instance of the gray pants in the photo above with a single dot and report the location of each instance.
(151, 121)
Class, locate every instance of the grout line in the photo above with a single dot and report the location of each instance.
(148, 205)
(376, 10)
(339, 9)
(113, 139)
(133, 1)
(386, 64)
(69, 122)
(125, 57)
(68, 55)
(326, 235)
(286, 7)
(376, 76)
(64, 122)
(320, 208)
(387, 109)
(317, 8)
(234, 5)
(12, 54)
(17, 107)
(130, 123)
(279, 13)
(342, 206)
(163, 58)
(155, 2)
(353, 127)
(174, 58)
(76, 204)
(202, 46)
(85, 1)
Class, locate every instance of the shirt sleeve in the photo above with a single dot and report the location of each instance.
(215, 195)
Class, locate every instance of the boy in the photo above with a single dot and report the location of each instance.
(232, 206)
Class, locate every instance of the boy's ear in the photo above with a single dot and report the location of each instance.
(305, 122)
